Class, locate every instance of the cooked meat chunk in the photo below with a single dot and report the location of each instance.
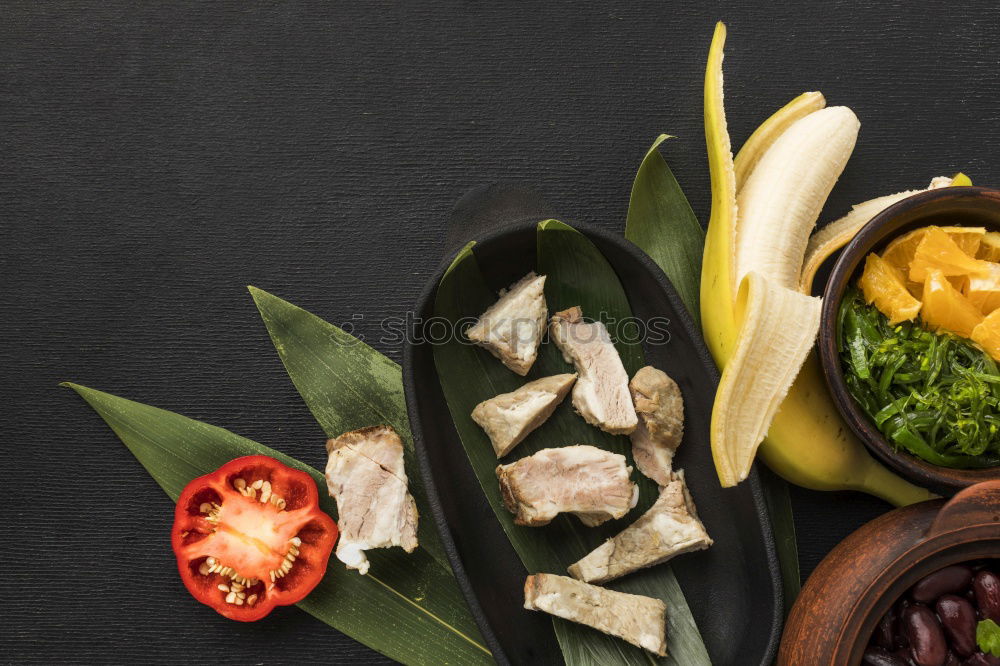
(669, 528)
(511, 329)
(601, 393)
(365, 475)
(639, 620)
(660, 407)
(509, 417)
(586, 481)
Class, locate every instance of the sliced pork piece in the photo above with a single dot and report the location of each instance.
(509, 417)
(365, 475)
(639, 620)
(660, 407)
(511, 329)
(586, 481)
(669, 528)
(601, 394)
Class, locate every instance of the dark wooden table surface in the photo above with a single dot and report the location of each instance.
(157, 157)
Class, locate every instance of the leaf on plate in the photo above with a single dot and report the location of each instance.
(661, 223)
(779, 508)
(408, 607)
(577, 275)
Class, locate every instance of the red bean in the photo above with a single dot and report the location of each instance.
(980, 659)
(900, 642)
(986, 585)
(945, 581)
(952, 660)
(927, 644)
(885, 632)
(876, 656)
(958, 618)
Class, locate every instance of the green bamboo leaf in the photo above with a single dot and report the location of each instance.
(577, 275)
(779, 507)
(346, 385)
(661, 223)
(409, 607)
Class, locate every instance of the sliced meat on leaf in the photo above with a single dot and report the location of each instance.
(660, 408)
(509, 417)
(601, 394)
(584, 480)
(637, 619)
(365, 475)
(669, 528)
(511, 329)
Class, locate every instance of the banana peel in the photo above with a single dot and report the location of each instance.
(807, 442)
(752, 398)
(839, 233)
(718, 286)
(771, 129)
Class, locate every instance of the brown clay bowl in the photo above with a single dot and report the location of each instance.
(853, 587)
(952, 206)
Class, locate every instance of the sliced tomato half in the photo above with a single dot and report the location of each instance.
(251, 536)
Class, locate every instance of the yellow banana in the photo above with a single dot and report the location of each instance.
(807, 443)
(718, 286)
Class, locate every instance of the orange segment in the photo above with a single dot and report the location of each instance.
(989, 247)
(900, 252)
(937, 251)
(945, 308)
(987, 334)
(884, 285)
(984, 292)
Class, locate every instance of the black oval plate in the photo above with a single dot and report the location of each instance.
(733, 588)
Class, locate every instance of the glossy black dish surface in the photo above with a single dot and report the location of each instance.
(733, 588)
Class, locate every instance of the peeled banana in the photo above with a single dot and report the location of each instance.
(806, 441)
(784, 194)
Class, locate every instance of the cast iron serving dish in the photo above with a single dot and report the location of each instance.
(949, 206)
(733, 588)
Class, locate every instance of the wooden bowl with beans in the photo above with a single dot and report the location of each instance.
(909, 588)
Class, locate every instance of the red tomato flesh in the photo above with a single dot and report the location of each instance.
(251, 536)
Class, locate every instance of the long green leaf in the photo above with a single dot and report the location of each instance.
(661, 223)
(779, 507)
(577, 275)
(409, 607)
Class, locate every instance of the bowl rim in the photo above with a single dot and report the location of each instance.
(975, 542)
(940, 478)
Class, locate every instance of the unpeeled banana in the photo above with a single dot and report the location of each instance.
(751, 275)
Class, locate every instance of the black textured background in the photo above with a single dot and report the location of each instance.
(157, 157)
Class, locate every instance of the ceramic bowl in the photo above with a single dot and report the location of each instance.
(951, 206)
(834, 616)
